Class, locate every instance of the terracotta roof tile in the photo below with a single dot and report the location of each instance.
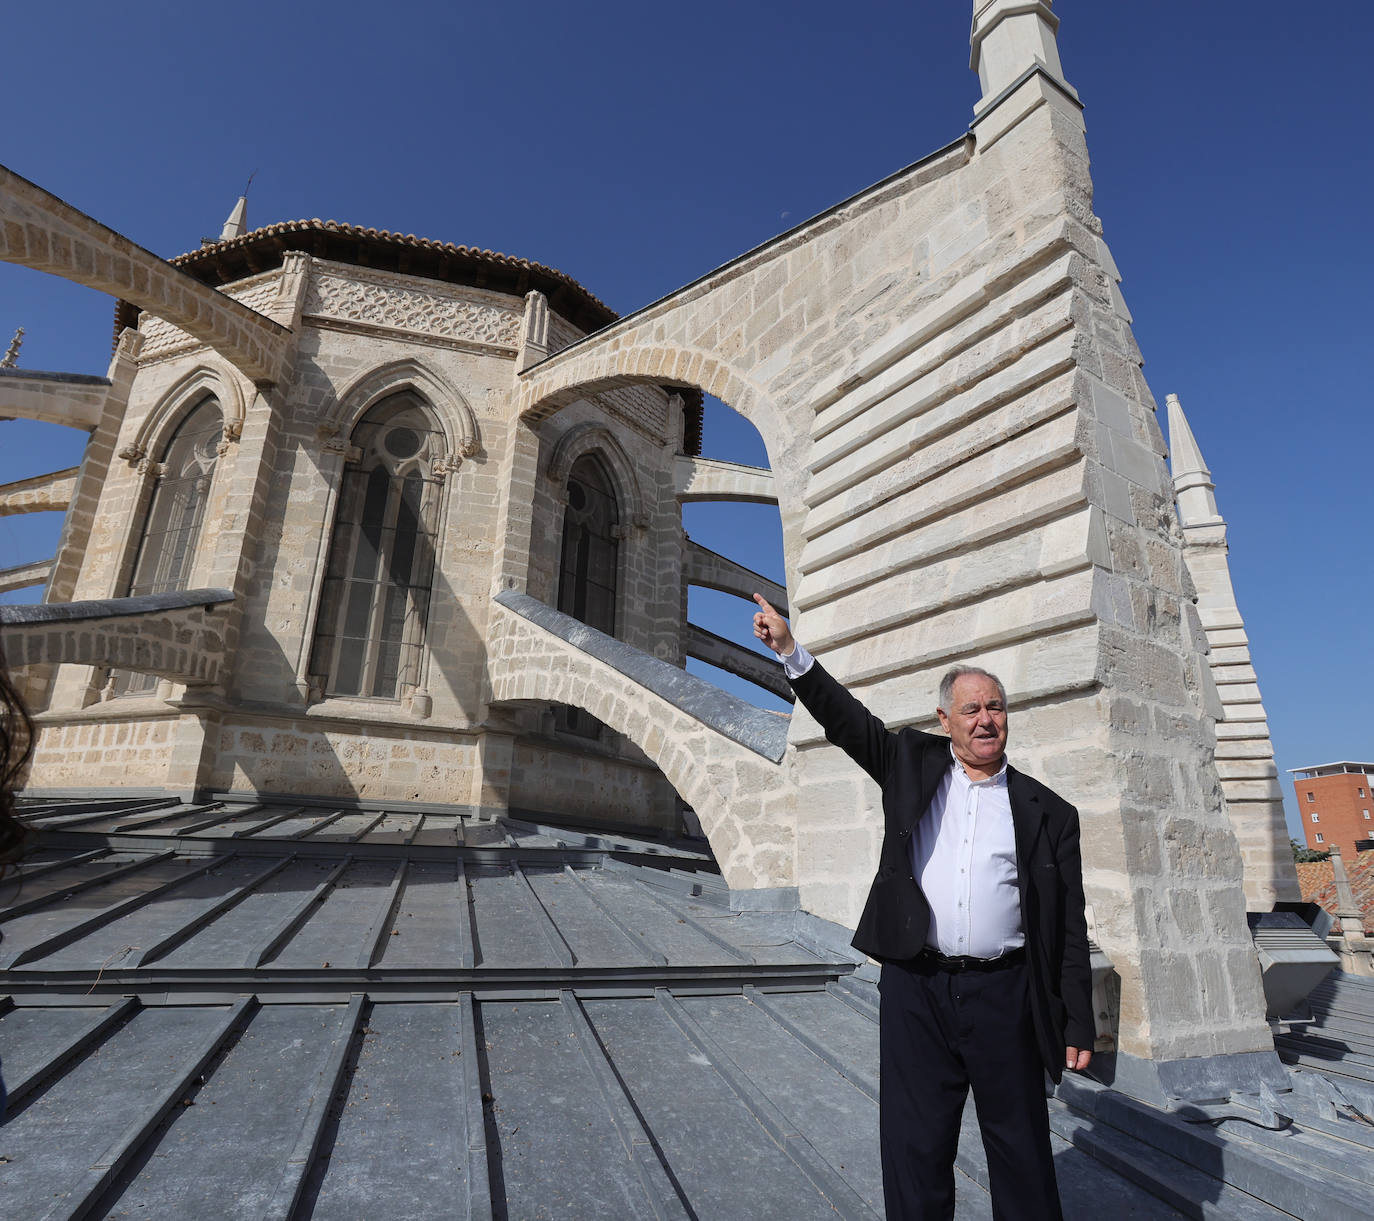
(1318, 885)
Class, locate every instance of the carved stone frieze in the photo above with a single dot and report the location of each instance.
(412, 309)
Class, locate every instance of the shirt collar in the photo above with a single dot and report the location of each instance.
(999, 779)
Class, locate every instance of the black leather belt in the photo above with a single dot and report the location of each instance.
(962, 962)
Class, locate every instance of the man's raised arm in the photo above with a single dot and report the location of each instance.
(847, 723)
(772, 629)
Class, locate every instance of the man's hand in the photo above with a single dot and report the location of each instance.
(772, 629)
(1077, 1058)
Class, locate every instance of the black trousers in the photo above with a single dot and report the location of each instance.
(940, 1033)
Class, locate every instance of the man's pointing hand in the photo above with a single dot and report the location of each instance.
(772, 629)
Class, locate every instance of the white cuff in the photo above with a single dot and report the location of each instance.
(797, 662)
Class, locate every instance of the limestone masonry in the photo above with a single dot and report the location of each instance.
(363, 439)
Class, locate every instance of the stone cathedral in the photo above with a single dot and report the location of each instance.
(372, 518)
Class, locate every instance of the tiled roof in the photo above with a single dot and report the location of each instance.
(1318, 884)
(299, 235)
(224, 262)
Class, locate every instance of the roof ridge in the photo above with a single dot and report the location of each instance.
(384, 235)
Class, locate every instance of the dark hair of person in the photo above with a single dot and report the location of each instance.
(16, 744)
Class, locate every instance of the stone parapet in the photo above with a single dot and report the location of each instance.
(175, 636)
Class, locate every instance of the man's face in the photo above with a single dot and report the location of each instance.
(977, 723)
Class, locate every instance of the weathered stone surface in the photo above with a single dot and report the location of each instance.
(1244, 753)
(967, 466)
(71, 399)
(38, 494)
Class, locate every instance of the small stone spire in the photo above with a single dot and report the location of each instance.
(12, 353)
(1193, 486)
(237, 224)
(1009, 38)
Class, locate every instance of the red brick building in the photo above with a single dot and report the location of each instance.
(1336, 805)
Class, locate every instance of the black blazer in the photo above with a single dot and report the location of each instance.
(909, 765)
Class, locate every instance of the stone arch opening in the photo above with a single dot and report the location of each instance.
(724, 760)
(730, 538)
(721, 651)
(611, 361)
(450, 408)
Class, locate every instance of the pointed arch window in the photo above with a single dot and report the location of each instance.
(375, 599)
(176, 511)
(589, 563)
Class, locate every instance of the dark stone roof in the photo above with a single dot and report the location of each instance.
(106, 608)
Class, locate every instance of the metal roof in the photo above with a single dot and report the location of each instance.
(227, 1009)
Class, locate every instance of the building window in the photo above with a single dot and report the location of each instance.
(375, 599)
(1320, 840)
(1311, 797)
(1359, 792)
(1316, 817)
(171, 528)
(588, 564)
(1365, 813)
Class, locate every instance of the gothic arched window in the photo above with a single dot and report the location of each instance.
(587, 570)
(171, 527)
(375, 597)
(589, 563)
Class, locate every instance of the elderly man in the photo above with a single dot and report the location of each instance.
(976, 914)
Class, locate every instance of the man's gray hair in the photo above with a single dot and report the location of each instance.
(957, 672)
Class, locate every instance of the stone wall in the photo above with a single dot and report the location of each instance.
(359, 335)
(377, 762)
(554, 776)
(968, 467)
(110, 752)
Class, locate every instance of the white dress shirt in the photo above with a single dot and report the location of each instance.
(963, 854)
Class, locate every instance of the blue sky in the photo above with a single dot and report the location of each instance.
(637, 146)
